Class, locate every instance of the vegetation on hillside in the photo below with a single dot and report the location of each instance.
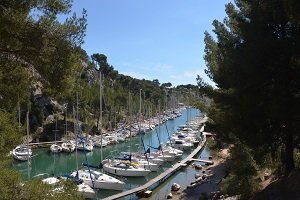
(44, 71)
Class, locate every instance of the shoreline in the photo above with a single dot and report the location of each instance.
(211, 184)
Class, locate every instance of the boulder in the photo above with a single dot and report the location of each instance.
(175, 187)
(197, 175)
(170, 196)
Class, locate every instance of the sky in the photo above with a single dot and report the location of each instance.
(151, 39)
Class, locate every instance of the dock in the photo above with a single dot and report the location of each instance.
(204, 161)
(162, 177)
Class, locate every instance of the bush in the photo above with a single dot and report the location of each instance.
(243, 171)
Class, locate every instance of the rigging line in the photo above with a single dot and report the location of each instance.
(168, 133)
(159, 141)
(86, 160)
(145, 151)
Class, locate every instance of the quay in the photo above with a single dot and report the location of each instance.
(203, 161)
(163, 176)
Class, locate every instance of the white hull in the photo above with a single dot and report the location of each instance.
(54, 148)
(85, 147)
(124, 170)
(100, 180)
(68, 147)
(148, 165)
(86, 191)
(21, 153)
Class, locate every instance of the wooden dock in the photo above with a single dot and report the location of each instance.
(204, 161)
(160, 178)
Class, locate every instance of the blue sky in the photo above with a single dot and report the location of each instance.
(157, 39)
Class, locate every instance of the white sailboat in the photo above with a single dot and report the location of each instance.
(125, 167)
(86, 191)
(55, 148)
(82, 188)
(95, 178)
(99, 180)
(67, 146)
(23, 152)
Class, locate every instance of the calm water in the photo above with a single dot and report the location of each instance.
(59, 164)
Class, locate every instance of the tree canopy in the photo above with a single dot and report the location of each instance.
(253, 57)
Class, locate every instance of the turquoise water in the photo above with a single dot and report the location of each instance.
(58, 164)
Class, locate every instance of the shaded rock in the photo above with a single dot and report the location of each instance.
(170, 196)
(198, 166)
(175, 187)
(197, 175)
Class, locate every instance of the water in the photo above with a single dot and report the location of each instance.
(58, 164)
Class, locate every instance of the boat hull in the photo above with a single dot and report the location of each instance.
(135, 172)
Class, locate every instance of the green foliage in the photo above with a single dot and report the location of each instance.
(14, 84)
(243, 171)
(10, 183)
(254, 61)
(10, 136)
(35, 44)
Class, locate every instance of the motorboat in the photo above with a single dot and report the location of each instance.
(22, 153)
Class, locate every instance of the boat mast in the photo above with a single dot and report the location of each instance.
(140, 111)
(129, 110)
(66, 121)
(77, 128)
(27, 132)
(19, 114)
(100, 108)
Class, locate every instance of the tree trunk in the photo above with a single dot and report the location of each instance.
(289, 152)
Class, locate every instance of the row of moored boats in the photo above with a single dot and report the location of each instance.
(127, 164)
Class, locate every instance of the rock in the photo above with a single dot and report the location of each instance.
(198, 179)
(170, 196)
(175, 187)
(198, 166)
(197, 175)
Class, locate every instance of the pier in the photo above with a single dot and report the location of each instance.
(163, 176)
(203, 161)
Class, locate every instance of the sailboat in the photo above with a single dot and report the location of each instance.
(95, 178)
(125, 167)
(55, 148)
(67, 146)
(23, 152)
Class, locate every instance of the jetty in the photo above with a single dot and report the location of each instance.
(163, 176)
(203, 161)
